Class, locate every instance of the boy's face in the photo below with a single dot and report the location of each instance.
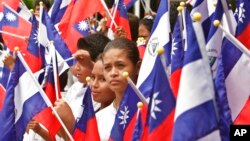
(37, 10)
(81, 71)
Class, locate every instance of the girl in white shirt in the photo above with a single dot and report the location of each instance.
(119, 56)
(101, 93)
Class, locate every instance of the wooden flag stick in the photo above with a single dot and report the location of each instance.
(230, 37)
(43, 94)
(137, 91)
(13, 35)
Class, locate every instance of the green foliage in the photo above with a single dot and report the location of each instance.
(29, 3)
(233, 4)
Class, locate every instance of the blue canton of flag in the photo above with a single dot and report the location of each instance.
(153, 80)
(161, 107)
(33, 40)
(125, 118)
(83, 27)
(10, 18)
(177, 53)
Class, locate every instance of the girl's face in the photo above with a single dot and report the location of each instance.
(143, 32)
(116, 62)
(99, 87)
(81, 72)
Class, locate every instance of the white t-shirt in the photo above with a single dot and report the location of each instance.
(74, 98)
(105, 121)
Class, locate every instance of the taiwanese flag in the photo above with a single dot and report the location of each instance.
(140, 122)
(120, 18)
(12, 22)
(49, 33)
(138, 127)
(243, 23)
(46, 79)
(86, 127)
(153, 80)
(74, 25)
(160, 115)
(125, 119)
(177, 55)
(45, 117)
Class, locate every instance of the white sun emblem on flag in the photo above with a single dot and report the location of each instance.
(174, 46)
(83, 25)
(124, 116)
(10, 17)
(154, 105)
(241, 12)
(35, 37)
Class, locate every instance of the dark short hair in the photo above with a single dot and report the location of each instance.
(147, 22)
(127, 46)
(134, 25)
(93, 43)
(45, 2)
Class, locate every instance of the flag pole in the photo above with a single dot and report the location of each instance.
(137, 91)
(42, 70)
(114, 13)
(43, 94)
(13, 35)
(8, 33)
(107, 10)
(228, 17)
(234, 40)
(68, 59)
(54, 62)
(163, 59)
(143, 5)
(146, 6)
(182, 10)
